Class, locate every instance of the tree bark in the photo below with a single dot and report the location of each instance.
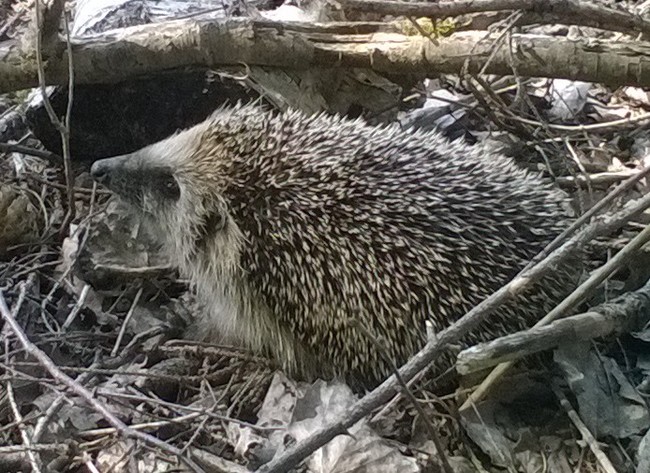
(149, 49)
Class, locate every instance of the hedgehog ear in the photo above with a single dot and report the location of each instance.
(216, 212)
(214, 219)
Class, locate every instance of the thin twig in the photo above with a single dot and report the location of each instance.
(62, 128)
(101, 432)
(127, 319)
(89, 464)
(602, 126)
(39, 153)
(587, 436)
(77, 307)
(58, 447)
(55, 406)
(178, 407)
(41, 70)
(433, 433)
(78, 190)
(584, 218)
(141, 271)
(32, 456)
(65, 133)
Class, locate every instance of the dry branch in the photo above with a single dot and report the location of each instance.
(629, 312)
(149, 49)
(39, 153)
(579, 295)
(601, 179)
(553, 11)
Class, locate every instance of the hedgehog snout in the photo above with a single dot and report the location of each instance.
(107, 171)
(100, 171)
(114, 172)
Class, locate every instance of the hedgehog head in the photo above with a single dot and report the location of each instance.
(176, 189)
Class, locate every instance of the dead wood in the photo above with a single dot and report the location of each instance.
(628, 312)
(148, 49)
(579, 295)
(545, 11)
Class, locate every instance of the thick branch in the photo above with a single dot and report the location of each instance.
(628, 312)
(148, 49)
(570, 12)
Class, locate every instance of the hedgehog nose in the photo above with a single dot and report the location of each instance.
(100, 171)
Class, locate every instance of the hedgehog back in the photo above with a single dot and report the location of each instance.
(352, 230)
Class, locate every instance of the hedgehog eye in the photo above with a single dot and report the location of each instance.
(169, 187)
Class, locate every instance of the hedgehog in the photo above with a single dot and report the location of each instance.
(333, 246)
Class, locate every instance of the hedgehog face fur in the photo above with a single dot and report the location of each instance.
(302, 234)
